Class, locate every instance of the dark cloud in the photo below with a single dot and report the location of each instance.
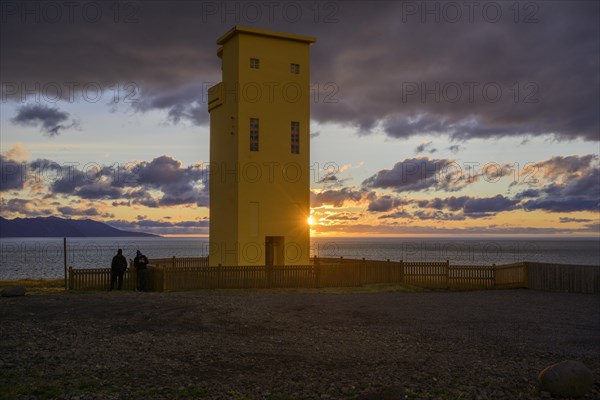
(528, 193)
(452, 203)
(564, 220)
(331, 180)
(30, 208)
(563, 167)
(98, 191)
(418, 174)
(162, 170)
(179, 184)
(63, 179)
(439, 216)
(563, 205)
(12, 174)
(455, 148)
(142, 197)
(335, 197)
(342, 217)
(395, 215)
(68, 211)
(184, 103)
(163, 181)
(471, 207)
(415, 86)
(383, 203)
(572, 184)
(494, 204)
(425, 147)
(418, 98)
(50, 120)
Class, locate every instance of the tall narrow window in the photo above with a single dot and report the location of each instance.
(254, 63)
(253, 134)
(295, 137)
(295, 68)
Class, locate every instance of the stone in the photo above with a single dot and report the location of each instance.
(13, 291)
(566, 379)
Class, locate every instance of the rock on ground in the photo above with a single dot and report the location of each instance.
(567, 379)
(13, 291)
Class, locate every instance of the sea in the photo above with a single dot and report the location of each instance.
(44, 258)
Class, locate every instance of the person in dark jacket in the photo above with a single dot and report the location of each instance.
(140, 263)
(117, 269)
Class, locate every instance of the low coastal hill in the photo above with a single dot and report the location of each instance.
(59, 227)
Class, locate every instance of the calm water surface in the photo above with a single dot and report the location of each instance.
(43, 257)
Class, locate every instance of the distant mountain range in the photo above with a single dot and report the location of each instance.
(59, 227)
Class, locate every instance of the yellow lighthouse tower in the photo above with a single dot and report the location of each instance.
(259, 150)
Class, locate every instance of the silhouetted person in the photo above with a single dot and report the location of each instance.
(117, 269)
(140, 263)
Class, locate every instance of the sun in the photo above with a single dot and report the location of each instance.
(310, 220)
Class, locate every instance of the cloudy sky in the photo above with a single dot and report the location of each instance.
(427, 118)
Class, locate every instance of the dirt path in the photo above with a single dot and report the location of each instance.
(246, 345)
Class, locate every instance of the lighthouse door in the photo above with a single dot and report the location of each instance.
(274, 246)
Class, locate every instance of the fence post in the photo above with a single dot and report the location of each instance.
(389, 271)
(448, 274)
(362, 272)
(164, 278)
(71, 278)
(174, 262)
(219, 276)
(401, 272)
(317, 272)
(269, 276)
(65, 261)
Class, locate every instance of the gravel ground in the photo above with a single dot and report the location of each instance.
(287, 345)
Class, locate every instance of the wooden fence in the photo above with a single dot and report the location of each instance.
(176, 274)
(563, 277)
(99, 279)
(180, 262)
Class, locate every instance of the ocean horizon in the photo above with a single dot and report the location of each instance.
(43, 258)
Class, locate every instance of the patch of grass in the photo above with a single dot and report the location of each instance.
(37, 285)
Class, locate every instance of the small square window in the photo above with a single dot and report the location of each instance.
(254, 63)
(295, 68)
(253, 134)
(295, 137)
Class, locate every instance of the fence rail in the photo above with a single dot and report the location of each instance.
(178, 274)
